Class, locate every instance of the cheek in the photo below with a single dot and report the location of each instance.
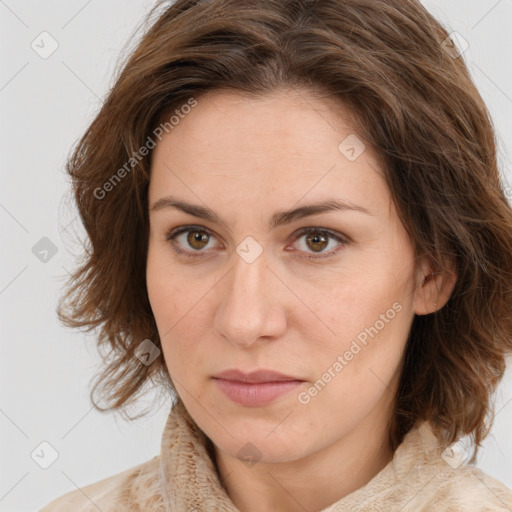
(178, 311)
(359, 367)
(167, 289)
(165, 304)
(369, 320)
(357, 303)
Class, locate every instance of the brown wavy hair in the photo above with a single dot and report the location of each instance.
(413, 101)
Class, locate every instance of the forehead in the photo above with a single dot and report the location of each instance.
(290, 142)
(223, 119)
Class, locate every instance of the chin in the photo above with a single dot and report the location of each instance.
(261, 449)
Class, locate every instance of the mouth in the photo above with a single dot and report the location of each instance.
(257, 388)
(255, 394)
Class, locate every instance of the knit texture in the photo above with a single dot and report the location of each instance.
(183, 478)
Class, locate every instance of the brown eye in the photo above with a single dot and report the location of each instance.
(317, 242)
(197, 239)
(190, 241)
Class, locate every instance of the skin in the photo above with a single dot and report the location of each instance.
(246, 158)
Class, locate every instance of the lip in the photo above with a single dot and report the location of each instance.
(256, 376)
(255, 388)
(255, 394)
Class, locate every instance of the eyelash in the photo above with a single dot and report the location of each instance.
(172, 234)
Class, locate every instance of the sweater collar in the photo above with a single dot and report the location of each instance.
(189, 478)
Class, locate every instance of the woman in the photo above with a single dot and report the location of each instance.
(299, 232)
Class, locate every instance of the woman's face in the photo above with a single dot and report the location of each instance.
(331, 308)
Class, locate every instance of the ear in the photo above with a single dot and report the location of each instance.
(434, 287)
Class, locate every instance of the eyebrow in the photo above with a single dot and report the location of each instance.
(279, 218)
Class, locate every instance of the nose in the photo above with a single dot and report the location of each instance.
(251, 303)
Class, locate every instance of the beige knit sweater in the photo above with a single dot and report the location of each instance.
(183, 479)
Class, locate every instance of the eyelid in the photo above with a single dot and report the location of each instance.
(334, 234)
(341, 239)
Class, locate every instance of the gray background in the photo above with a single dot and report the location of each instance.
(45, 105)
